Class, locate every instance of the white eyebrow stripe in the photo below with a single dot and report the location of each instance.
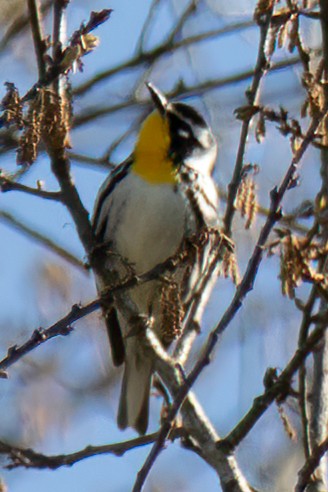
(184, 133)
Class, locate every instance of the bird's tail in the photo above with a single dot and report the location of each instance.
(134, 401)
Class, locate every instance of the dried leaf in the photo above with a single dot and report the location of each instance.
(12, 107)
(89, 42)
(70, 55)
(272, 40)
(296, 263)
(246, 201)
(30, 138)
(230, 267)
(172, 312)
(260, 129)
(56, 120)
(245, 113)
(263, 7)
(96, 18)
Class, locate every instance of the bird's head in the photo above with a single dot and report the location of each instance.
(173, 136)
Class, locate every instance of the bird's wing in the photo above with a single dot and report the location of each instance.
(99, 225)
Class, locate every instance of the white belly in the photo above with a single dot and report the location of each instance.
(149, 222)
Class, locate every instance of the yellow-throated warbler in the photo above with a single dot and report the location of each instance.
(145, 211)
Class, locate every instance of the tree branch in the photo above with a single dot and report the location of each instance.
(150, 56)
(252, 94)
(189, 11)
(60, 65)
(7, 184)
(278, 389)
(62, 327)
(20, 226)
(180, 91)
(27, 458)
(144, 31)
(20, 24)
(319, 390)
(311, 464)
(302, 377)
(196, 425)
(36, 28)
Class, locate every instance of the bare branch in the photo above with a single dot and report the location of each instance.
(93, 162)
(39, 44)
(61, 65)
(27, 458)
(311, 464)
(154, 54)
(319, 390)
(39, 336)
(144, 31)
(252, 94)
(180, 91)
(56, 143)
(196, 424)
(20, 24)
(63, 326)
(34, 235)
(70, 197)
(279, 389)
(183, 18)
(302, 386)
(9, 185)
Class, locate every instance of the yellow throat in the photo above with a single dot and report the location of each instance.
(151, 160)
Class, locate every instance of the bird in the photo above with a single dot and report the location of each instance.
(149, 206)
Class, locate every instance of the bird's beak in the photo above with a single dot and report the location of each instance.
(158, 98)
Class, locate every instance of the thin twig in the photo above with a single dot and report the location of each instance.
(63, 326)
(302, 377)
(144, 31)
(155, 53)
(21, 226)
(180, 91)
(279, 388)
(311, 464)
(261, 67)
(60, 328)
(9, 185)
(57, 69)
(27, 458)
(36, 28)
(189, 11)
(20, 24)
(93, 162)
